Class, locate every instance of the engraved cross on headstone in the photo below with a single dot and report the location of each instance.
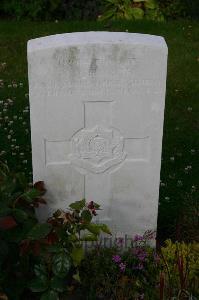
(97, 151)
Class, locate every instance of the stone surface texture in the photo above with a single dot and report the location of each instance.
(97, 109)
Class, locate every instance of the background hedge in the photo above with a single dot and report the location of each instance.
(84, 10)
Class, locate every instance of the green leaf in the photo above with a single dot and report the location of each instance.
(152, 4)
(78, 205)
(39, 231)
(105, 228)
(56, 248)
(50, 295)
(77, 255)
(61, 264)
(77, 277)
(37, 285)
(96, 205)
(137, 13)
(86, 216)
(30, 195)
(89, 238)
(57, 284)
(20, 215)
(41, 271)
(5, 211)
(93, 228)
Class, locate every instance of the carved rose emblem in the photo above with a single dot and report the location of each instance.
(97, 149)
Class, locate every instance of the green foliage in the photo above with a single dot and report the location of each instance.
(175, 9)
(131, 10)
(181, 266)
(51, 9)
(17, 221)
(53, 249)
(61, 251)
(91, 9)
(141, 272)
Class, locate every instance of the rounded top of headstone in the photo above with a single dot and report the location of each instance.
(95, 37)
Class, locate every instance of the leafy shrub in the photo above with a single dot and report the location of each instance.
(53, 250)
(17, 218)
(174, 9)
(51, 9)
(132, 10)
(61, 251)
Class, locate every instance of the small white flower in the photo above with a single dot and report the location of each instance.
(20, 118)
(24, 161)
(21, 84)
(14, 85)
(14, 153)
(162, 184)
(15, 117)
(5, 110)
(9, 137)
(167, 198)
(172, 158)
(9, 85)
(193, 188)
(179, 183)
(10, 101)
(193, 151)
(21, 153)
(189, 108)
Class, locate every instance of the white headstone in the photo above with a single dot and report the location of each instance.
(97, 109)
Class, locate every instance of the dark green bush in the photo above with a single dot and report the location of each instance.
(175, 9)
(84, 10)
(50, 9)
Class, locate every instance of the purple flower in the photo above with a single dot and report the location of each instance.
(137, 238)
(116, 258)
(119, 241)
(140, 253)
(122, 267)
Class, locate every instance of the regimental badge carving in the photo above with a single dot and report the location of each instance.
(97, 149)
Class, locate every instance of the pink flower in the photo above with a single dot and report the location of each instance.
(119, 241)
(122, 267)
(116, 258)
(137, 238)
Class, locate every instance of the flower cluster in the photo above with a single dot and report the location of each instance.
(118, 260)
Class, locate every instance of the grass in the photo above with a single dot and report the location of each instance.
(180, 173)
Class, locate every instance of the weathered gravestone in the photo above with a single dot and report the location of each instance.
(97, 109)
